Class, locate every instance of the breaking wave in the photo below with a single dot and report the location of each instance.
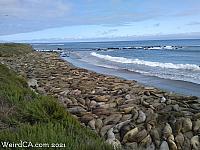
(147, 63)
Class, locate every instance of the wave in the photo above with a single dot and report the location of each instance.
(147, 63)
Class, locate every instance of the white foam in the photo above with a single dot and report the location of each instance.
(147, 63)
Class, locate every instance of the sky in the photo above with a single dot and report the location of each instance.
(98, 20)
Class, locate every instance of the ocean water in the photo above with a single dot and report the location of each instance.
(174, 63)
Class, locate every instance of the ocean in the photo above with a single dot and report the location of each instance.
(172, 65)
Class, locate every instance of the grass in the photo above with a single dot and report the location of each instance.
(13, 49)
(34, 118)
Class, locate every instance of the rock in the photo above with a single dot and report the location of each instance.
(32, 83)
(110, 134)
(112, 140)
(115, 143)
(196, 125)
(171, 137)
(119, 125)
(128, 97)
(163, 100)
(151, 147)
(104, 129)
(150, 115)
(82, 101)
(130, 135)
(140, 136)
(102, 99)
(65, 93)
(126, 117)
(167, 131)
(178, 125)
(76, 110)
(188, 134)
(91, 124)
(146, 141)
(172, 145)
(195, 142)
(164, 146)
(187, 125)
(86, 118)
(101, 111)
(126, 109)
(179, 140)
(76, 92)
(112, 119)
(98, 124)
(131, 146)
(141, 117)
(187, 144)
(155, 136)
(93, 104)
(135, 114)
(176, 107)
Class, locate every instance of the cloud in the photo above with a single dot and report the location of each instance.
(109, 31)
(21, 16)
(194, 23)
(156, 25)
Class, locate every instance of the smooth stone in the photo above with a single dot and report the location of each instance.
(196, 125)
(163, 100)
(131, 146)
(102, 99)
(76, 110)
(126, 117)
(187, 125)
(121, 124)
(167, 131)
(141, 135)
(146, 141)
(115, 143)
(98, 124)
(93, 104)
(86, 118)
(178, 125)
(164, 146)
(104, 129)
(172, 145)
(195, 143)
(150, 115)
(101, 111)
(155, 136)
(130, 135)
(32, 83)
(179, 140)
(91, 124)
(151, 147)
(112, 119)
(141, 117)
(176, 107)
(135, 114)
(187, 144)
(128, 96)
(110, 134)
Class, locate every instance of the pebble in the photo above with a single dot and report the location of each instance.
(141, 117)
(123, 110)
(187, 125)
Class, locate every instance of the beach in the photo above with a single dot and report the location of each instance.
(124, 112)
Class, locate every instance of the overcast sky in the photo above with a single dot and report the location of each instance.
(79, 20)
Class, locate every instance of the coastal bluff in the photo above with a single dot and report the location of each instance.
(125, 113)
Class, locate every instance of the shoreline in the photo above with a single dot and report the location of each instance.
(124, 112)
(175, 86)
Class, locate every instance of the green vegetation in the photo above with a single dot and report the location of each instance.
(27, 116)
(12, 49)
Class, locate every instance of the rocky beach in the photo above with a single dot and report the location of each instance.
(125, 113)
